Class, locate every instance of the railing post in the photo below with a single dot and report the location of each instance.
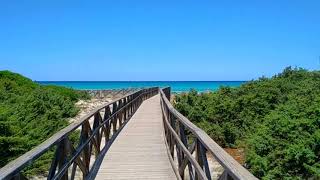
(63, 158)
(171, 136)
(86, 153)
(185, 142)
(225, 176)
(167, 92)
(125, 110)
(107, 125)
(120, 113)
(56, 158)
(114, 119)
(96, 123)
(202, 158)
(131, 105)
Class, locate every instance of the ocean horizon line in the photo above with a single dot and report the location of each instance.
(144, 81)
(176, 86)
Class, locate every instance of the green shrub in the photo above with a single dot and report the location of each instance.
(276, 120)
(29, 114)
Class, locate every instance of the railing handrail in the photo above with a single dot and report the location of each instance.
(233, 168)
(24, 160)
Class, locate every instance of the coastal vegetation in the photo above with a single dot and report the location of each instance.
(29, 114)
(276, 120)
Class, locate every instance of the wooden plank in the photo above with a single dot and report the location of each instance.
(139, 152)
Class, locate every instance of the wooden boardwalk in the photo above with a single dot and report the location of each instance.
(139, 152)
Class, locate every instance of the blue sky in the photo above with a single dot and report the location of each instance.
(158, 40)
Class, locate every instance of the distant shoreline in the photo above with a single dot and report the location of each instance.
(176, 86)
(137, 81)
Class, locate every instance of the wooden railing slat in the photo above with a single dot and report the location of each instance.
(203, 143)
(179, 143)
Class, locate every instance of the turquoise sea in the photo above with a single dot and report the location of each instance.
(176, 86)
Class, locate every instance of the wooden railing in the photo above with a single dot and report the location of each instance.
(188, 147)
(97, 132)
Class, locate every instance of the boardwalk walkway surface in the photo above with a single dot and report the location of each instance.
(139, 152)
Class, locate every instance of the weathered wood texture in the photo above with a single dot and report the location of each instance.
(139, 151)
(192, 145)
(98, 130)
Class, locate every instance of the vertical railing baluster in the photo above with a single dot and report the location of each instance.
(202, 158)
(63, 159)
(171, 136)
(120, 113)
(114, 119)
(185, 142)
(54, 163)
(125, 110)
(86, 153)
(225, 176)
(107, 115)
(73, 171)
(96, 123)
(131, 105)
(128, 107)
(180, 154)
